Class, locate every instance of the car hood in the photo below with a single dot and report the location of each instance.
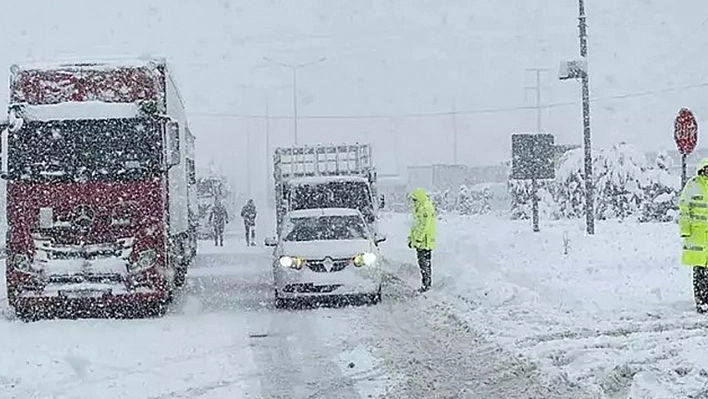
(337, 249)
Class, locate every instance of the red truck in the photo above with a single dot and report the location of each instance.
(101, 188)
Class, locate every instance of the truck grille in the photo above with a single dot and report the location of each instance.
(327, 265)
(104, 278)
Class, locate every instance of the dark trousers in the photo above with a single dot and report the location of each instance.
(425, 263)
(250, 234)
(219, 235)
(700, 288)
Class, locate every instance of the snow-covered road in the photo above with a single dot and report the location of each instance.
(512, 315)
(222, 338)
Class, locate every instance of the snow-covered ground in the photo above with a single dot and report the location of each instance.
(614, 315)
(510, 316)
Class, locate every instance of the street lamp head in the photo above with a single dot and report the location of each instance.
(574, 69)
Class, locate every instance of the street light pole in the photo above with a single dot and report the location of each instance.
(589, 208)
(295, 104)
(294, 69)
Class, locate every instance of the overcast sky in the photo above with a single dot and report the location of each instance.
(388, 61)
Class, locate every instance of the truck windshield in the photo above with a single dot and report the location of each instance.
(325, 228)
(348, 194)
(109, 149)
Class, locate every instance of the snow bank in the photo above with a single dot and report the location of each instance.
(103, 63)
(613, 312)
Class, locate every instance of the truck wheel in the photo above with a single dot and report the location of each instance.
(279, 302)
(183, 267)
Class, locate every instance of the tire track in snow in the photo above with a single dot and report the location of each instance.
(443, 357)
(294, 363)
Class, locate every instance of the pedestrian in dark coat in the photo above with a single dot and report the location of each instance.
(218, 218)
(249, 213)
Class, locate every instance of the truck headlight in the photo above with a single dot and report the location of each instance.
(365, 259)
(145, 260)
(22, 263)
(291, 262)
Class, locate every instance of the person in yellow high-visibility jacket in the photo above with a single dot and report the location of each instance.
(693, 227)
(422, 234)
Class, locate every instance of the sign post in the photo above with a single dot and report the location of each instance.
(686, 137)
(532, 159)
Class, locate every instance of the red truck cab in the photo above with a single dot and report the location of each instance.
(101, 196)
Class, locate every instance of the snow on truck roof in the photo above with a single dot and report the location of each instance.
(80, 110)
(92, 63)
(303, 181)
(309, 213)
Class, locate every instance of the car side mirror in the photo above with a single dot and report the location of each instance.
(380, 239)
(271, 241)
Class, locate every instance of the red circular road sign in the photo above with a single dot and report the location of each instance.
(685, 131)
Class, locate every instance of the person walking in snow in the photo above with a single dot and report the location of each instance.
(218, 218)
(693, 227)
(422, 234)
(248, 213)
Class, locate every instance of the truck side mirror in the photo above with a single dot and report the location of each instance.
(172, 144)
(4, 137)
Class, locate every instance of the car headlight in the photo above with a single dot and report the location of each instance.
(365, 259)
(291, 262)
(145, 259)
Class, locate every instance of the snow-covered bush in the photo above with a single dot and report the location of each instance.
(625, 185)
(570, 185)
(521, 193)
(442, 201)
(465, 203)
(620, 179)
(661, 193)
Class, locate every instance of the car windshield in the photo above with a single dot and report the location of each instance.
(336, 194)
(109, 149)
(325, 228)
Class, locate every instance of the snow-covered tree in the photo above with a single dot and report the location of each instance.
(485, 201)
(570, 185)
(521, 193)
(441, 200)
(621, 176)
(465, 203)
(661, 193)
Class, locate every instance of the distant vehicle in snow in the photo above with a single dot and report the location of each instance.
(326, 176)
(99, 163)
(326, 254)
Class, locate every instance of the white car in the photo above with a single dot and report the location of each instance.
(327, 253)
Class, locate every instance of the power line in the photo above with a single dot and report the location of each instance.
(450, 112)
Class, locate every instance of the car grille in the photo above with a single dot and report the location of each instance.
(319, 265)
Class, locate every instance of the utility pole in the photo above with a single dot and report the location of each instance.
(539, 129)
(589, 208)
(454, 134)
(538, 88)
(268, 158)
(294, 69)
(578, 69)
(248, 162)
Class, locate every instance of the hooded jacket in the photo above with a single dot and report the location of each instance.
(422, 234)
